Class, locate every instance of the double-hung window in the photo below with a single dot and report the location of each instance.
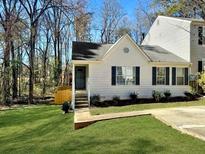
(201, 35)
(180, 76)
(161, 75)
(125, 75)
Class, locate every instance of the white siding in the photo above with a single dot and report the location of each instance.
(197, 51)
(171, 34)
(100, 74)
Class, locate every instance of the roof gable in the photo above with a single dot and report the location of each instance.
(123, 38)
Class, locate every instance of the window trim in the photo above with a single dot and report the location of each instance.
(202, 34)
(165, 81)
(134, 76)
(183, 68)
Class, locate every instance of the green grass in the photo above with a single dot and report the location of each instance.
(47, 130)
(137, 107)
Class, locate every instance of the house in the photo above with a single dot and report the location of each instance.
(184, 37)
(124, 67)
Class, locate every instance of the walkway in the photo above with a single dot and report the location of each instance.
(83, 118)
(189, 120)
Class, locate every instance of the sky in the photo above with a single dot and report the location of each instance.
(128, 6)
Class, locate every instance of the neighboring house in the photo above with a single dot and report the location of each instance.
(119, 69)
(182, 36)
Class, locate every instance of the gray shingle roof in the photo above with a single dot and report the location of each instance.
(159, 54)
(96, 51)
(89, 51)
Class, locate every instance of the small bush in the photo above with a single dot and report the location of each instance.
(133, 96)
(167, 95)
(95, 100)
(66, 107)
(190, 96)
(157, 95)
(116, 100)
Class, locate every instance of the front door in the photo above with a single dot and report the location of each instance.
(80, 77)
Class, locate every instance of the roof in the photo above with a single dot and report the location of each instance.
(89, 51)
(187, 19)
(159, 54)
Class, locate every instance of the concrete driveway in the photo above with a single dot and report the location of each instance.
(189, 120)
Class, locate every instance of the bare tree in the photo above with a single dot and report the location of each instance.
(34, 9)
(111, 14)
(9, 16)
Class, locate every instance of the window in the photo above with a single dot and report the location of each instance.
(201, 35)
(180, 76)
(203, 64)
(125, 75)
(160, 75)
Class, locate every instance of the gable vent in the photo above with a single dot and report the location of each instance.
(126, 50)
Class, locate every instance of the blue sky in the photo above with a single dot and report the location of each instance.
(128, 6)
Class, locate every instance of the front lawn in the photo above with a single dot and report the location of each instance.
(137, 107)
(47, 130)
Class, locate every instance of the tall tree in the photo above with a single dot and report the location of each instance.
(111, 15)
(181, 8)
(9, 16)
(34, 9)
(125, 27)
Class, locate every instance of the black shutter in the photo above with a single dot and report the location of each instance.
(113, 75)
(186, 76)
(199, 66)
(173, 75)
(200, 35)
(167, 75)
(137, 75)
(154, 69)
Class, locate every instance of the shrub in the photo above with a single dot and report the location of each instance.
(157, 95)
(133, 96)
(66, 107)
(201, 80)
(190, 96)
(95, 100)
(167, 94)
(116, 100)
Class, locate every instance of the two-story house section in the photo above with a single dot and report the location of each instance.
(184, 37)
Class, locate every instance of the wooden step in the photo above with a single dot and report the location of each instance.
(82, 102)
(81, 105)
(81, 95)
(81, 98)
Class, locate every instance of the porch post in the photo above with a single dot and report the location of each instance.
(73, 87)
(88, 87)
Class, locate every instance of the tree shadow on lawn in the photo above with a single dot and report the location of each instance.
(41, 131)
(146, 146)
(29, 116)
(56, 135)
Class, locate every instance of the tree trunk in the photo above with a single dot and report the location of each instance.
(6, 67)
(14, 73)
(31, 61)
(59, 66)
(44, 77)
(19, 70)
